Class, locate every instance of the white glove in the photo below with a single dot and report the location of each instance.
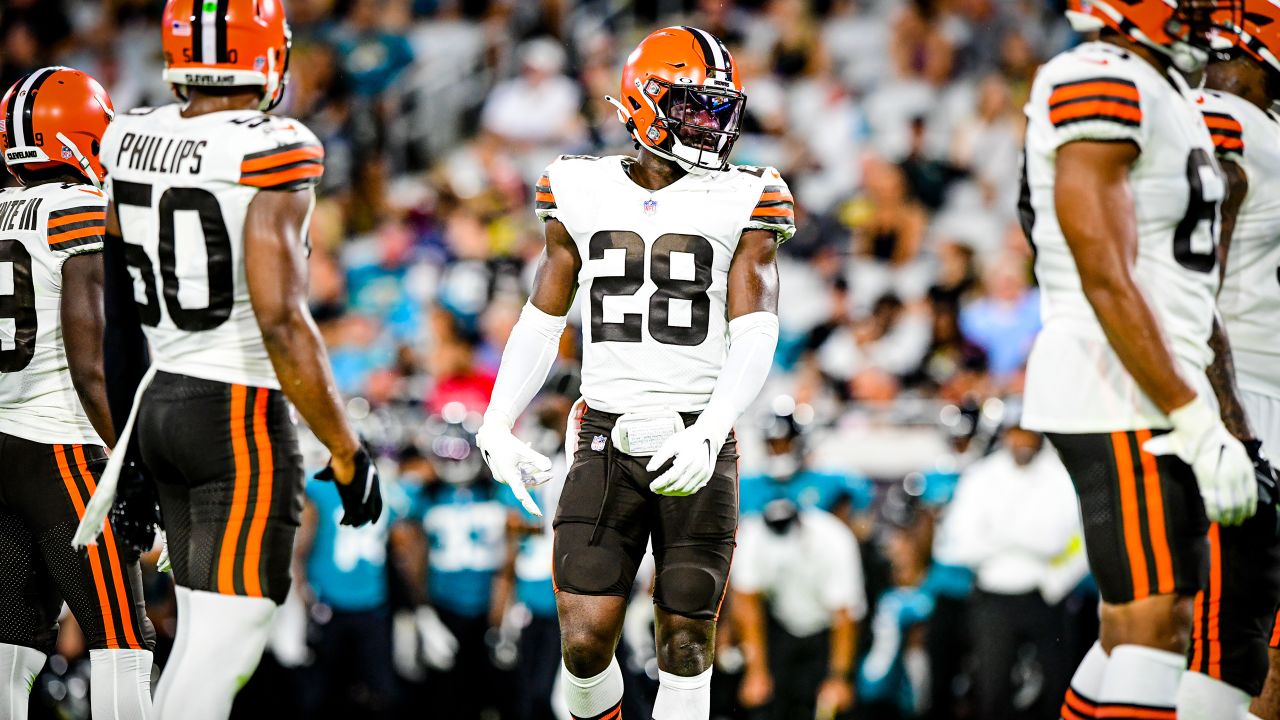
(439, 646)
(1221, 465)
(512, 462)
(693, 453)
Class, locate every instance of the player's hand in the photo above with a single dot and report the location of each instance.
(756, 688)
(692, 453)
(135, 512)
(513, 463)
(439, 646)
(357, 480)
(835, 696)
(1220, 463)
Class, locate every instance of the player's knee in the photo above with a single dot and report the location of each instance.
(587, 650)
(1161, 621)
(686, 647)
(690, 590)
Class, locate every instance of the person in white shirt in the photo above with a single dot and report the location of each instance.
(1014, 522)
(797, 595)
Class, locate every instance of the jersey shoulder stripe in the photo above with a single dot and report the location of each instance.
(1226, 131)
(543, 197)
(76, 227)
(1109, 99)
(776, 205)
(287, 167)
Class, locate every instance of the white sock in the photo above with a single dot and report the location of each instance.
(683, 698)
(120, 684)
(220, 647)
(19, 666)
(1086, 685)
(183, 597)
(1201, 697)
(594, 697)
(1141, 682)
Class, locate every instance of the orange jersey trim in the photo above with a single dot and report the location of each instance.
(262, 499)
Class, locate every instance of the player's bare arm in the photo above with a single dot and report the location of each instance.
(82, 323)
(753, 274)
(1221, 372)
(276, 267)
(1096, 213)
(556, 280)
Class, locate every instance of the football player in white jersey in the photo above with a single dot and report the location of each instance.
(54, 420)
(210, 200)
(674, 253)
(1235, 611)
(1121, 204)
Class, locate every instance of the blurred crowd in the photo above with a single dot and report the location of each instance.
(907, 311)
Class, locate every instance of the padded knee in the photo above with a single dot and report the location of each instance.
(585, 568)
(690, 590)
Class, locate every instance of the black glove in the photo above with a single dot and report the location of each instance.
(362, 497)
(135, 512)
(1266, 475)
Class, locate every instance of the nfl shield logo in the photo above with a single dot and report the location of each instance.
(66, 153)
(650, 206)
(597, 443)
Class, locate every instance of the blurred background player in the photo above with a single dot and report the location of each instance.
(464, 523)
(343, 573)
(1235, 611)
(213, 194)
(55, 424)
(787, 473)
(1014, 522)
(798, 596)
(678, 340)
(1121, 200)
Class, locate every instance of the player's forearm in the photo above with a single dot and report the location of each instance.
(1222, 376)
(302, 366)
(749, 609)
(1133, 332)
(527, 359)
(844, 636)
(753, 338)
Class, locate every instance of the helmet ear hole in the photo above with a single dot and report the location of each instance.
(95, 146)
(634, 105)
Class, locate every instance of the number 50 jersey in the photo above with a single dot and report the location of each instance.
(655, 269)
(1098, 92)
(181, 188)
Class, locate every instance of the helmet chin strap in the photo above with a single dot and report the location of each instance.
(81, 159)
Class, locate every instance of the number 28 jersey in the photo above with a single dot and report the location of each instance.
(181, 188)
(41, 227)
(1098, 92)
(655, 269)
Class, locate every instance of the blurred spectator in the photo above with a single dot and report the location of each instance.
(1005, 320)
(1015, 522)
(539, 108)
(798, 594)
(371, 55)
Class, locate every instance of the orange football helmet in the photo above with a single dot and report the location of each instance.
(52, 116)
(1258, 33)
(682, 98)
(1182, 30)
(227, 43)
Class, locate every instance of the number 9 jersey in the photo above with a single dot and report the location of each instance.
(181, 188)
(655, 269)
(1098, 92)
